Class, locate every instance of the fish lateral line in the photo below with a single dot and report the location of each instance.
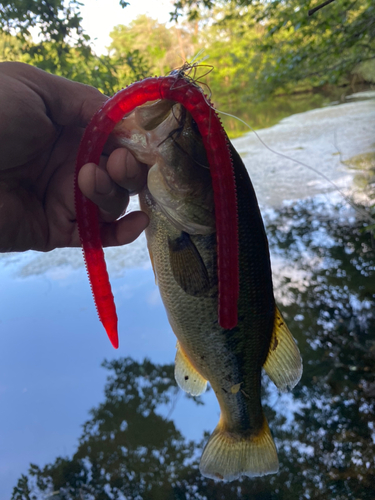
(190, 95)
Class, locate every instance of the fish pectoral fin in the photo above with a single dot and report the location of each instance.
(187, 266)
(232, 453)
(186, 375)
(283, 364)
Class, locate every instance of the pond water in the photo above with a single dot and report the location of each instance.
(266, 113)
(123, 430)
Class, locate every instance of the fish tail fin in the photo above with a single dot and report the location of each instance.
(231, 453)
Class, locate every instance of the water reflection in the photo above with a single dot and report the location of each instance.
(333, 319)
(325, 433)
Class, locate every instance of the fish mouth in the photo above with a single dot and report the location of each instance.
(151, 115)
(160, 134)
(144, 129)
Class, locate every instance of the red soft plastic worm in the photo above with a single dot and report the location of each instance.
(175, 88)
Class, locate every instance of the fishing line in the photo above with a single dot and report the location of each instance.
(185, 71)
(365, 214)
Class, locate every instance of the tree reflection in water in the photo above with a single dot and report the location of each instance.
(326, 449)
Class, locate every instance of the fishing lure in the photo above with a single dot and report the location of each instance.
(175, 87)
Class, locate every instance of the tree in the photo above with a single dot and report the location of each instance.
(57, 20)
(147, 47)
(299, 49)
(62, 47)
(58, 23)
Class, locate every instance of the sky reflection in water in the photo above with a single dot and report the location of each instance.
(52, 346)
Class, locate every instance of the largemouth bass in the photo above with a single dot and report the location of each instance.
(182, 245)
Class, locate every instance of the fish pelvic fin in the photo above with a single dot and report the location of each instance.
(283, 364)
(188, 267)
(187, 377)
(230, 454)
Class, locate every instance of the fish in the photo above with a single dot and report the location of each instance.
(181, 240)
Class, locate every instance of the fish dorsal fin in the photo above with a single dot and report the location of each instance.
(283, 364)
(187, 266)
(186, 375)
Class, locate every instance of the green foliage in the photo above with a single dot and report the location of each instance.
(295, 49)
(231, 39)
(323, 48)
(366, 70)
(146, 47)
(192, 6)
(57, 20)
(11, 48)
(258, 48)
(63, 48)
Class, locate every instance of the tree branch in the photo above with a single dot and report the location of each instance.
(312, 11)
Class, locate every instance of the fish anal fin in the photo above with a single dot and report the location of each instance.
(187, 266)
(230, 454)
(186, 375)
(283, 364)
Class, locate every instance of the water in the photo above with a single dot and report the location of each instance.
(265, 114)
(143, 437)
(324, 139)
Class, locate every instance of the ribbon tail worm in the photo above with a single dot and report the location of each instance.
(185, 92)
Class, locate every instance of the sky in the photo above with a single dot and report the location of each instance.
(100, 16)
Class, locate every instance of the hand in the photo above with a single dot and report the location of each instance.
(42, 119)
